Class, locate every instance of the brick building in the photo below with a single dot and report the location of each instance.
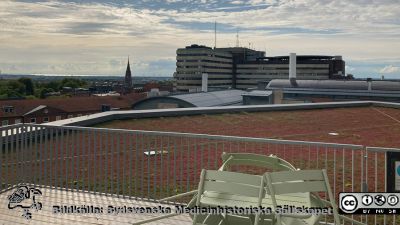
(47, 110)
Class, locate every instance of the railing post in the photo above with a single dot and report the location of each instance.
(365, 182)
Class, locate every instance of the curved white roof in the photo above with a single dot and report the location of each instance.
(214, 98)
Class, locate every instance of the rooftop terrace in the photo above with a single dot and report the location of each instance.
(149, 161)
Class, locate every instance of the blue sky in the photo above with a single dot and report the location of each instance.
(96, 36)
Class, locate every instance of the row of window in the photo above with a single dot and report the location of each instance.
(285, 74)
(33, 120)
(210, 55)
(204, 60)
(199, 67)
(281, 68)
(210, 85)
(219, 62)
(197, 72)
(188, 60)
(196, 78)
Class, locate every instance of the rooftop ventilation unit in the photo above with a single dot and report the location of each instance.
(292, 69)
(204, 82)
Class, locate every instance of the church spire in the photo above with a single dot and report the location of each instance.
(128, 77)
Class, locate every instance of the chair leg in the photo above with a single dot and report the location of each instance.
(214, 219)
(257, 219)
(195, 219)
(253, 219)
(278, 220)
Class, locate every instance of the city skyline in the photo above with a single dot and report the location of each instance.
(95, 37)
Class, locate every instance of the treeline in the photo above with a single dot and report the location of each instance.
(26, 88)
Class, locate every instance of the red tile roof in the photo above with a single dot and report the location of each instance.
(70, 105)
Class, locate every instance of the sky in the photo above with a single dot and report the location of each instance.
(95, 37)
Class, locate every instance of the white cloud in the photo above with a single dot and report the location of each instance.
(237, 2)
(349, 68)
(61, 37)
(390, 69)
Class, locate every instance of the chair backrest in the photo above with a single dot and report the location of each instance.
(286, 182)
(249, 159)
(225, 182)
(231, 183)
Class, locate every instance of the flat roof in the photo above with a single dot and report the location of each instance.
(369, 125)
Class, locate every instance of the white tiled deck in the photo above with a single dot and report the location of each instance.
(52, 197)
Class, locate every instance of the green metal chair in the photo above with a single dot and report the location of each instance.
(230, 189)
(224, 189)
(271, 162)
(302, 181)
(268, 163)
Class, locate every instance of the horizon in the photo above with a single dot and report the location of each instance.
(78, 75)
(95, 37)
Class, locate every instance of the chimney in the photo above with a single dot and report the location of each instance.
(204, 82)
(105, 108)
(292, 69)
(369, 81)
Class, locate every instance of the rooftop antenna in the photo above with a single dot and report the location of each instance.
(215, 35)
(237, 38)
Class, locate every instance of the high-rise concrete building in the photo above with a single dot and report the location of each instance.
(308, 67)
(193, 61)
(243, 68)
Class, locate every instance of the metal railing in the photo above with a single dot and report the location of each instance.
(155, 165)
(376, 179)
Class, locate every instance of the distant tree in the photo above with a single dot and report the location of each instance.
(15, 89)
(44, 91)
(29, 87)
(30, 97)
(72, 82)
(55, 85)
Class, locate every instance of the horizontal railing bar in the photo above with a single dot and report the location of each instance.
(380, 149)
(209, 136)
(12, 126)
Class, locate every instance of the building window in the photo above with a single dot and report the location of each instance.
(4, 123)
(33, 120)
(70, 116)
(58, 117)
(17, 121)
(8, 109)
(45, 119)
